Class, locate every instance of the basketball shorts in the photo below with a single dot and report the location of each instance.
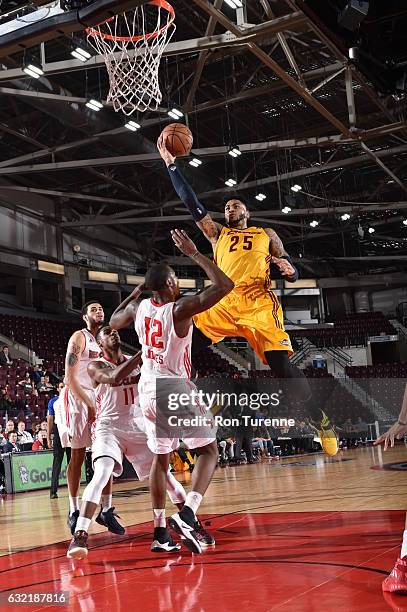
(115, 439)
(166, 425)
(254, 314)
(76, 421)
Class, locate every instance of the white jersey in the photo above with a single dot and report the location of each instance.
(117, 402)
(89, 353)
(165, 355)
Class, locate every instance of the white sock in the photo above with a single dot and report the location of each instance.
(404, 545)
(73, 504)
(159, 518)
(193, 501)
(106, 501)
(83, 524)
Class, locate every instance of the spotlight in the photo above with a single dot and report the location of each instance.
(195, 162)
(405, 222)
(314, 223)
(94, 105)
(345, 217)
(260, 197)
(175, 114)
(230, 182)
(286, 210)
(234, 3)
(33, 71)
(371, 230)
(81, 54)
(132, 126)
(234, 151)
(296, 188)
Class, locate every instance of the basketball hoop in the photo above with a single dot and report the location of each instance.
(132, 45)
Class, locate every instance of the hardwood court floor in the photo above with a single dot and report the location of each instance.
(309, 533)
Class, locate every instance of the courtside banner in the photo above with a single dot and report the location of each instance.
(32, 471)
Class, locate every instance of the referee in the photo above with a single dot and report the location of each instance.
(55, 444)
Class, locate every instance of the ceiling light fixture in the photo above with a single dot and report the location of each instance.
(132, 126)
(230, 182)
(286, 210)
(176, 114)
(195, 162)
(234, 151)
(81, 54)
(314, 223)
(94, 105)
(34, 71)
(296, 188)
(345, 217)
(260, 197)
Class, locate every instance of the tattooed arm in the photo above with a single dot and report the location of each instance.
(210, 229)
(76, 345)
(280, 257)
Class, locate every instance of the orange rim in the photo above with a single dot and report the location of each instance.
(161, 3)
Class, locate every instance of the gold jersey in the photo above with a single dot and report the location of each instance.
(244, 256)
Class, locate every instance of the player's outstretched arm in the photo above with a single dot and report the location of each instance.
(187, 307)
(126, 312)
(76, 346)
(396, 431)
(101, 374)
(281, 258)
(202, 218)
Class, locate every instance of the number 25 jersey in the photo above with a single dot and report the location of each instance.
(244, 256)
(164, 354)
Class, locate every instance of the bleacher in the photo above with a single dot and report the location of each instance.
(349, 330)
(384, 382)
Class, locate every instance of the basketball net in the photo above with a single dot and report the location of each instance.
(132, 45)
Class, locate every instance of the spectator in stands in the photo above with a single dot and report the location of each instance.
(40, 442)
(9, 427)
(5, 401)
(244, 436)
(262, 439)
(11, 445)
(23, 436)
(226, 445)
(44, 385)
(302, 437)
(26, 383)
(5, 358)
(362, 429)
(349, 433)
(37, 373)
(35, 429)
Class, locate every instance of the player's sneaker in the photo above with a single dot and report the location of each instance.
(72, 520)
(396, 582)
(204, 537)
(183, 523)
(78, 548)
(163, 541)
(329, 440)
(107, 518)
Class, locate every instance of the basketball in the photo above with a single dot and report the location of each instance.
(178, 139)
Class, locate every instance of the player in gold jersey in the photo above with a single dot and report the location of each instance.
(248, 255)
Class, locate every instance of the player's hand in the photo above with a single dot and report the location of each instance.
(137, 359)
(183, 242)
(395, 432)
(284, 266)
(164, 152)
(91, 413)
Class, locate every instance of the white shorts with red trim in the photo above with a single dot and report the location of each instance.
(115, 439)
(166, 425)
(76, 420)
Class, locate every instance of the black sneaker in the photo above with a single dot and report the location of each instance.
(53, 495)
(183, 523)
(163, 542)
(72, 520)
(204, 537)
(107, 518)
(78, 548)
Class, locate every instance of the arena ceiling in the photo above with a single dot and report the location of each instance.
(274, 79)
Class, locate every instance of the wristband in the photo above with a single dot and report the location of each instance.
(195, 254)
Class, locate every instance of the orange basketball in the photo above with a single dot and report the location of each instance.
(178, 139)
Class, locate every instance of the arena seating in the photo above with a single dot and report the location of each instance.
(350, 330)
(384, 382)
